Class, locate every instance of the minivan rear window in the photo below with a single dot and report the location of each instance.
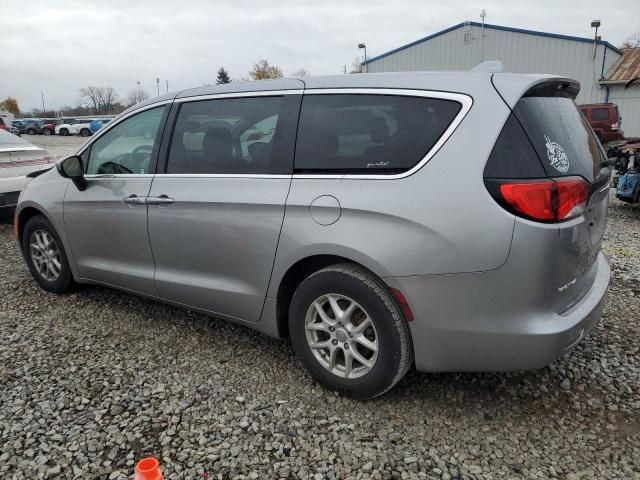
(369, 134)
(561, 136)
(599, 114)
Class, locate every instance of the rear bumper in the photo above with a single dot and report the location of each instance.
(463, 323)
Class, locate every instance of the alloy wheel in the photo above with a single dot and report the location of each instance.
(45, 255)
(341, 336)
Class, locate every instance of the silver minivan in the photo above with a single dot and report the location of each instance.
(447, 220)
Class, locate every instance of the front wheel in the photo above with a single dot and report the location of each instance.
(64, 132)
(349, 332)
(31, 131)
(85, 132)
(45, 255)
(46, 131)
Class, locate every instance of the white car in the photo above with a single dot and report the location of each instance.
(75, 127)
(17, 159)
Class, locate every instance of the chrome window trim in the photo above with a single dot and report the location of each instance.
(465, 100)
(261, 93)
(112, 124)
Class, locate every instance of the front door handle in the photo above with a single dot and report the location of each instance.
(133, 199)
(161, 200)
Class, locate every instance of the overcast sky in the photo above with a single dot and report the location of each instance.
(60, 46)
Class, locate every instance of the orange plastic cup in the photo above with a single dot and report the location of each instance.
(148, 469)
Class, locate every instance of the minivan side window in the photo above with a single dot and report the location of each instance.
(369, 134)
(230, 136)
(127, 148)
(599, 114)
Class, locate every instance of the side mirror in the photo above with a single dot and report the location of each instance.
(72, 167)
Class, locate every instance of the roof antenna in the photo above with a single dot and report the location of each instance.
(482, 15)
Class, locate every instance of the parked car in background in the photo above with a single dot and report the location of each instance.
(33, 128)
(48, 127)
(17, 159)
(27, 125)
(74, 127)
(15, 130)
(5, 123)
(605, 120)
(317, 210)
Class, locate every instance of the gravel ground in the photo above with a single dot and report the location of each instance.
(92, 381)
(55, 144)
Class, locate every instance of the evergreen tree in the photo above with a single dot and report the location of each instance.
(223, 76)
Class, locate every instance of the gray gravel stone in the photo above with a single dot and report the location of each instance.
(92, 381)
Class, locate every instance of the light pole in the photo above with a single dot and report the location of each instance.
(42, 95)
(158, 85)
(595, 24)
(364, 47)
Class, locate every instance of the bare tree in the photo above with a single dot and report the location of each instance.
(633, 41)
(92, 97)
(356, 66)
(300, 73)
(137, 95)
(109, 98)
(263, 70)
(100, 99)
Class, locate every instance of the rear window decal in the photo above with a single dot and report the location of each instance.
(557, 156)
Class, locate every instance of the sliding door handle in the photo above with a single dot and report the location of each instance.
(161, 200)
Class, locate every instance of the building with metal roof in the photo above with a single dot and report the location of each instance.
(622, 82)
(465, 45)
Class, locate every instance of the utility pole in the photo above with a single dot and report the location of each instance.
(167, 82)
(158, 85)
(42, 95)
(482, 15)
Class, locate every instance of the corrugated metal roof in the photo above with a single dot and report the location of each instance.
(494, 27)
(627, 67)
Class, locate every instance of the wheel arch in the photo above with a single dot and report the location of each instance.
(295, 275)
(22, 217)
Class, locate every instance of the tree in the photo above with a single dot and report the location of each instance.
(356, 66)
(10, 105)
(262, 71)
(137, 95)
(300, 73)
(99, 99)
(223, 76)
(633, 41)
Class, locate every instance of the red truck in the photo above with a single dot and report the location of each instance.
(605, 120)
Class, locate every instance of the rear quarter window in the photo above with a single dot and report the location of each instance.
(561, 136)
(369, 134)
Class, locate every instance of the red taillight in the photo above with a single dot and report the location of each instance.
(614, 126)
(545, 200)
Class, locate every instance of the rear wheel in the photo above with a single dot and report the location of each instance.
(349, 332)
(31, 131)
(85, 132)
(46, 131)
(45, 255)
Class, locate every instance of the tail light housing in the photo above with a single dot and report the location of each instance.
(542, 200)
(614, 126)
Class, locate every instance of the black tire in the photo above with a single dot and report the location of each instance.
(85, 132)
(46, 131)
(395, 351)
(64, 282)
(31, 131)
(64, 132)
